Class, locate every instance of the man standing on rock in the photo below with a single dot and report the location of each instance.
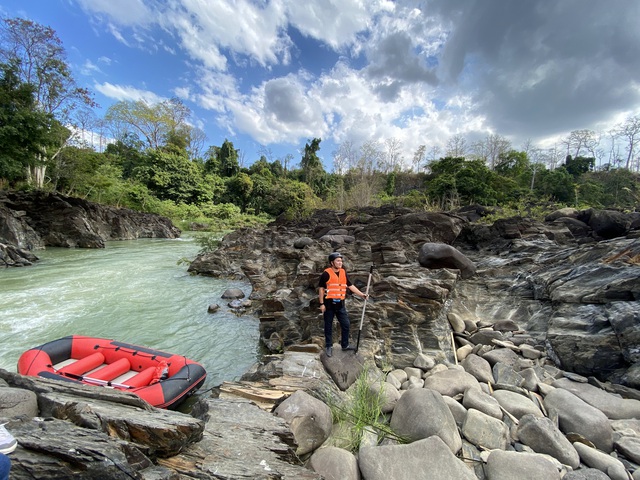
(333, 286)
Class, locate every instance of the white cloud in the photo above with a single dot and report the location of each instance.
(123, 12)
(127, 93)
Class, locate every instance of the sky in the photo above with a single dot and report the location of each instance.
(270, 75)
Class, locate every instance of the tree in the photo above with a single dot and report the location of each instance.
(172, 176)
(227, 157)
(419, 157)
(491, 148)
(456, 146)
(579, 165)
(23, 128)
(392, 155)
(630, 131)
(158, 124)
(344, 157)
(312, 170)
(579, 140)
(39, 56)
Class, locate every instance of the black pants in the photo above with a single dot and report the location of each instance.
(338, 310)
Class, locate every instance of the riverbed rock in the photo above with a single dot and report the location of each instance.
(502, 465)
(309, 418)
(419, 459)
(421, 413)
(335, 463)
(542, 435)
(33, 220)
(575, 415)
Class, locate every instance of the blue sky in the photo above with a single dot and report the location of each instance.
(272, 74)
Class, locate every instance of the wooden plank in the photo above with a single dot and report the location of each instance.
(253, 392)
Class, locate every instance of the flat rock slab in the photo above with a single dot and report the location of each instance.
(241, 441)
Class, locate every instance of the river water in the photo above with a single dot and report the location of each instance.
(132, 291)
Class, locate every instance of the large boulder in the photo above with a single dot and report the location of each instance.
(577, 416)
(426, 458)
(440, 255)
(309, 418)
(542, 435)
(421, 413)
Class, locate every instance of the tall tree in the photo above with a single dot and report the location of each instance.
(40, 57)
(491, 148)
(630, 131)
(580, 141)
(158, 124)
(23, 128)
(312, 168)
(456, 146)
(227, 157)
(419, 157)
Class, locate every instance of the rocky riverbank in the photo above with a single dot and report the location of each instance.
(30, 221)
(523, 338)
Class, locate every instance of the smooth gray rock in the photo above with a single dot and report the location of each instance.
(602, 461)
(629, 447)
(612, 406)
(386, 394)
(485, 431)
(424, 362)
(586, 474)
(440, 255)
(457, 410)
(17, 401)
(343, 367)
(335, 464)
(474, 398)
(400, 374)
(502, 355)
(577, 416)
(516, 404)
(233, 293)
(542, 435)
(479, 367)
(451, 382)
(419, 459)
(421, 413)
(309, 418)
(506, 375)
(502, 465)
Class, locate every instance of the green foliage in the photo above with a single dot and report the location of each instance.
(361, 412)
(313, 173)
(172, 176)
(23, 128)
(579, 165)
(556, 184)
(207, 242)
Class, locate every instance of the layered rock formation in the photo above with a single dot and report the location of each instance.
(575, 292)
(34, 220)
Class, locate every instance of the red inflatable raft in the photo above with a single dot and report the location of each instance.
(162, 379)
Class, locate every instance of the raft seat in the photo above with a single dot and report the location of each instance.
(112, 370)
(83, 365)
(142, 379)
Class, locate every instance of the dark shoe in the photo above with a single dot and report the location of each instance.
(348, 347)
(329, 351)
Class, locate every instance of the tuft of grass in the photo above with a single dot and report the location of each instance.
(361, 414)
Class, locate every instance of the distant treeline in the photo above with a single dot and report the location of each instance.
(150, 157)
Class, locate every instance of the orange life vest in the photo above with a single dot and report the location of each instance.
(336, 285)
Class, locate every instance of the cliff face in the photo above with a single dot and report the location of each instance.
(34, 220)
(572, 287)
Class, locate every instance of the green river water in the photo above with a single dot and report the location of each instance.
(132, 291)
